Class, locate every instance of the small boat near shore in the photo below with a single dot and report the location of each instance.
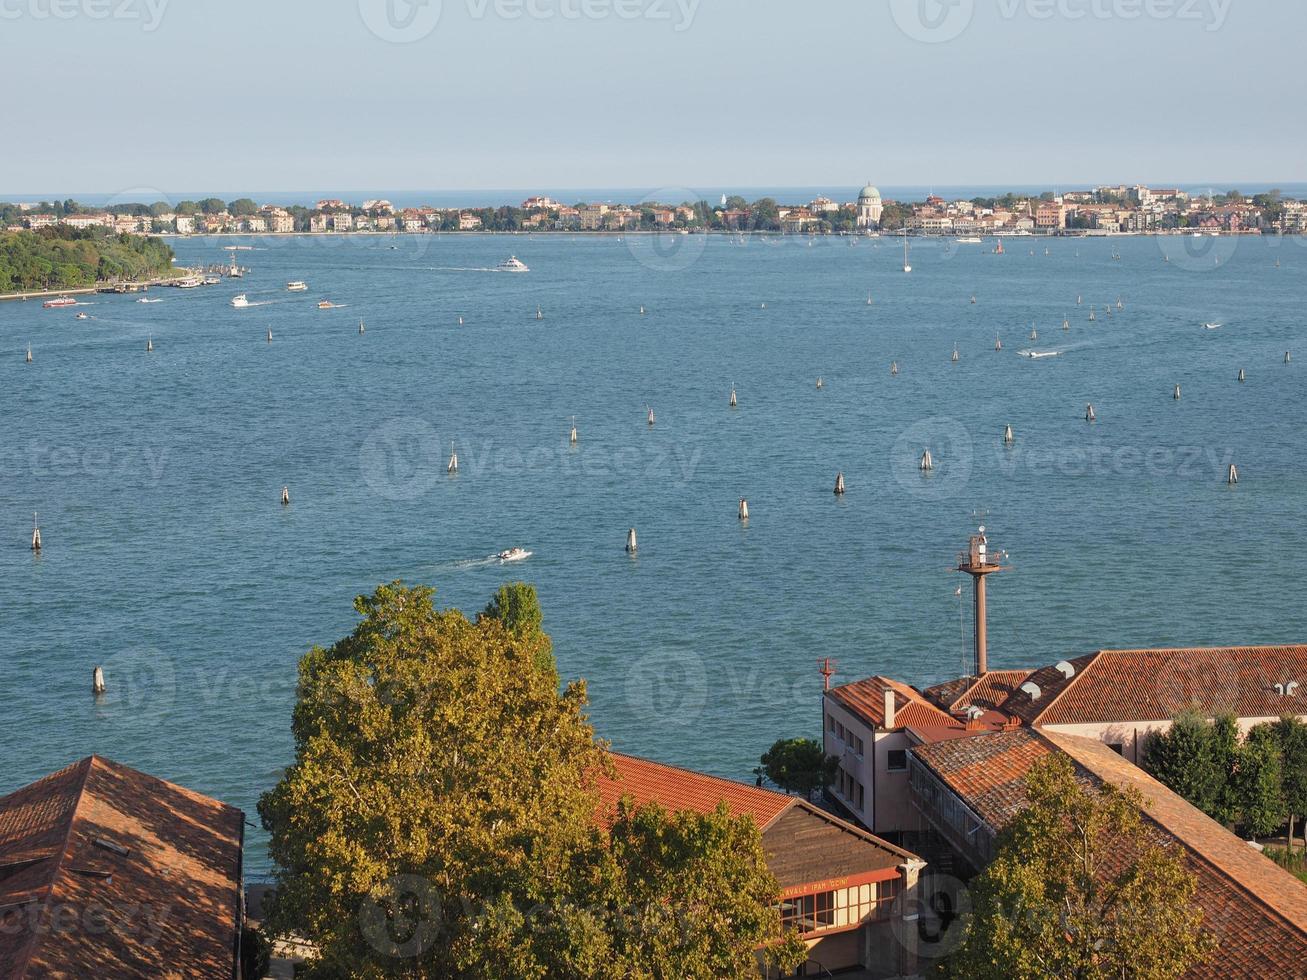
(1035, 355)
(297, 286)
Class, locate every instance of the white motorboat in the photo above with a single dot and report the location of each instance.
(513, 554)
(1212, 326)
(240, 302)
(969, 241)
(297, 286)
(1035, 355)
(512, 264)
(83, 316)
(146, 299)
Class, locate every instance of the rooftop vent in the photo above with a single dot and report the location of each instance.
(110, 846)
(974, 712)
(1067, 668)
(1032, 689)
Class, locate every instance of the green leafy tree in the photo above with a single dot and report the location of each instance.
(701, 895)
(440, 818)
(1184, 759)
(517, 607)
(243, 207)
(213, 205)
(1290, 736)
(799, 765)
(1225, 754)
(1079, 890)
(1258, 783)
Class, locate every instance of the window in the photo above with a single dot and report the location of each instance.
(839, 730)
(857, 746)
(830, 724)
(861, 793)
(1116, 747)
(897, 761)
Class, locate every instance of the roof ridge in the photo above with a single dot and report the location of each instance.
(1071, 682)
(738, 783)
(25, 958)
(852, 828)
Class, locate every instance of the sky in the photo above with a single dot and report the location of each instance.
(174, 96)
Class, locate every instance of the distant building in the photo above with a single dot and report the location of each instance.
(468, 222)
(343, 221)
(870, 207)
(539, 204)
(106, 872)
(40, 221)
(592, 216)
(331, 204)
(184, 224)
(1050, 215)
(85, 220)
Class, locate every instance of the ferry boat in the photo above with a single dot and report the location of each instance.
(514, 554)
(512, 264)
(190, 282)
(240, 302)
(56, 304)
(211, 280)
(298, 286)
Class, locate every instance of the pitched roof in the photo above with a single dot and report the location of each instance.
(683, 789)
(803, 844)
(987, 691)
(866, 699)
(108, 872)
(1257, 910)
(1155, 685)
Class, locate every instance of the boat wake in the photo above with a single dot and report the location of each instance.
(490, 561)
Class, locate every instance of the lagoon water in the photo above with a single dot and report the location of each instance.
(169, 560)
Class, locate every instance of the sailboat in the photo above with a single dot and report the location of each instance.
(998, 249)
(868, 299)
(907, 266)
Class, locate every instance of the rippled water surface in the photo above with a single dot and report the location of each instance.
(169, 560)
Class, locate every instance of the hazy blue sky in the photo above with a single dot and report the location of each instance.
(179, 95)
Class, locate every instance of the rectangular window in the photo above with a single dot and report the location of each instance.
(861, 800)
(839, 730)
(857, 746)
(830, 723)
(897, 760)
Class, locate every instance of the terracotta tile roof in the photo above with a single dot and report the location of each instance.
(866, 699)
(73, 905)
(1051, 683)
(988, 691)
(683, 789)
(803, 843)
(1256, 910)
(988, 771)
(1154, 685)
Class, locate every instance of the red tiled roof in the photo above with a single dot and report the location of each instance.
(1256, 910)
(866, 699)
(73, 907)
(678, 789)
(1155, 685)
(988, 691)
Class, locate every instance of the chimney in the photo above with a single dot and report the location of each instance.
(889, 708)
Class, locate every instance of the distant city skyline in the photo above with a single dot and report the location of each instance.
(485, 94)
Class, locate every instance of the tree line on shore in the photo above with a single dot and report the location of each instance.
(60, 257)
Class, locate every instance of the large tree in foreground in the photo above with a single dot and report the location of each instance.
(1082, 889)
(440, 818)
